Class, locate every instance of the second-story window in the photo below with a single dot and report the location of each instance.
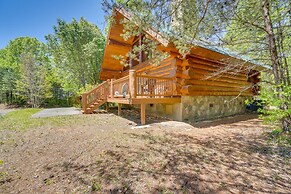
(139, 51)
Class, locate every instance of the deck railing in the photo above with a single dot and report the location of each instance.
(151, 86)
(141, 86)
(99, 93)
(119, 88)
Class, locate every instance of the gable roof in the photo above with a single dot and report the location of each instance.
(116, 45)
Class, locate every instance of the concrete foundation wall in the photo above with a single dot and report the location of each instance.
(195, 108)
(172, 111)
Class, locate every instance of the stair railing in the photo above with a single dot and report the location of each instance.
(98, 93)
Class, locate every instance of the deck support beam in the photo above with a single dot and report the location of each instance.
(84, 102)
(142, 114)
(119, 109)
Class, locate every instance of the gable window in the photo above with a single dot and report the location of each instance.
(140, 55)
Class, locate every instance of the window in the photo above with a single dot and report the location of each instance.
(254, 78)
(140, 55)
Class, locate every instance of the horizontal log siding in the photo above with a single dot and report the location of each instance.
(165, 69)
(198, 77)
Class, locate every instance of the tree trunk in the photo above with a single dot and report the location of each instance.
(272, 42)
(276, 66)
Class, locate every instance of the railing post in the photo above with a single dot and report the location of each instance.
(84, 103)
(132, 83)
(107, 89)
(111, 89)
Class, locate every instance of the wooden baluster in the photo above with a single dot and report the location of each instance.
(107, 89)
(145, 82)
(138, 86)
(102, 92)
(158, 90)
(111, 89)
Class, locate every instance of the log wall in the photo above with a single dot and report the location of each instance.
(200, 77)
(166, 68)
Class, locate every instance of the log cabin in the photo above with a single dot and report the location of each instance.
(203, 84)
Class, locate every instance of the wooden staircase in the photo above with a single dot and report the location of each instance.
(94, 98)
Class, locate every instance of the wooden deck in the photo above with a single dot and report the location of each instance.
(131, 89)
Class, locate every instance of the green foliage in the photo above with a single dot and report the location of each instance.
(283, 139)
(33, 85)
(35, 74)
(24, 68)
(272, 113)
(77, 51)
(248, 34)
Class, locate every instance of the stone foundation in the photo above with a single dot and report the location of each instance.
(196, 108)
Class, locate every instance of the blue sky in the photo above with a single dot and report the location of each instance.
(36, 18)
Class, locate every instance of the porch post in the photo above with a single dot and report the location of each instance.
(84, 103)
(119, 109)
(132, 83)
(142, 114)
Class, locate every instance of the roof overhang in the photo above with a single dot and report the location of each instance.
(117, 46)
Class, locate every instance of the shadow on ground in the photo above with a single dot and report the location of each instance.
(174, 162)
(134, 116)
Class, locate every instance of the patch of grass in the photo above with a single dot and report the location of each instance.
(282, 142)
(280, 137)
(96, 186)
(47, 181)
(3, 174)
(20, 120)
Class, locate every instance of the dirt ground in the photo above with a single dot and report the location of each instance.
(105, 153)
